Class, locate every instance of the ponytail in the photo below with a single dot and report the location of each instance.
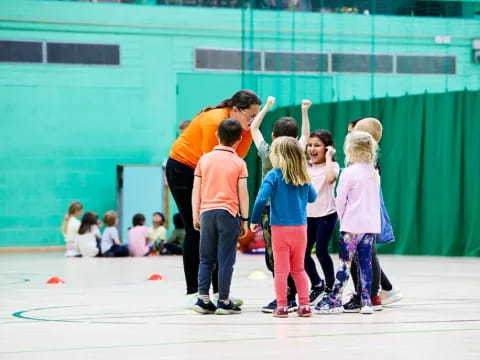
(74, 207)
(242, 99)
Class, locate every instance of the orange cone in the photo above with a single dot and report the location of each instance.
(55, 280)
(155, 277)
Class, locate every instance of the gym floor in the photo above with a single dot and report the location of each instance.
(107, 309)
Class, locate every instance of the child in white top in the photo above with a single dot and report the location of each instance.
(358, 208)
(70, 227)
(321, 214)
(88, 238)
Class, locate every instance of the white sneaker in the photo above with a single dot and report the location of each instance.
(368, 310)
(190, 301)
(390, 297)
(234, 300)
(71, 253)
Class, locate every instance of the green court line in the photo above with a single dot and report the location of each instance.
(20, 315)
(235, 340)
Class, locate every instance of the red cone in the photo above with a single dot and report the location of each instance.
(155, 277)
(55, 280)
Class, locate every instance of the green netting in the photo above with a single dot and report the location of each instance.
(430, 166)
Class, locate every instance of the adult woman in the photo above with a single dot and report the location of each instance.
(197, 139)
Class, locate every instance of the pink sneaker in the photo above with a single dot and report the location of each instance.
(304, 311)
(281, 311)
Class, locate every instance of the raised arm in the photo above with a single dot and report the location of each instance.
(305, 123)
(255, 125)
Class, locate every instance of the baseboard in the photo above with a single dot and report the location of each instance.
(31, 249)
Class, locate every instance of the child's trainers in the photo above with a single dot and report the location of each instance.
(390, 297)
(329, 306)
(270, 308)
(236, 302)
(367, 310)
(203, 307)
(227, 309)
(281, 311)
(376, 303)
(292, 305)
(304, 311)
(352, 306)
(315, 293)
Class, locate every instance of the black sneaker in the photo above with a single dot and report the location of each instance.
(353, 306)
(227, 309)
(292, 306)
(316, 294)
(204, 308)
(270, 308)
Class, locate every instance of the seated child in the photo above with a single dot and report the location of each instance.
(157, 233)
(138, 237)
(70, 227)
(88, 238)
(111, 245)
(174, 244)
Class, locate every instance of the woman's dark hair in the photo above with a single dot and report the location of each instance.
(242, 99)
(178, 221)
(325, 136)
(88, 219)
(138, 220)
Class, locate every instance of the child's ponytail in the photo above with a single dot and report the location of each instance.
(74, 207)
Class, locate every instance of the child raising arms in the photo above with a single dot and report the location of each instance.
(358, 208)
(288, 188)
(285, 126)
(321, 215)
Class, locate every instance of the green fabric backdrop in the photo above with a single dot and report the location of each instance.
(430, 161)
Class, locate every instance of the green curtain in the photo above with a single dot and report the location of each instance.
(430, 162)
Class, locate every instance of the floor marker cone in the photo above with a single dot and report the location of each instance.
(55, 280)
(257, 275)
(155, 277)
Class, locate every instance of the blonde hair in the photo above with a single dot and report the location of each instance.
(360, 147)
(109, 218)
(290, 158)
(371, 126)
(74, 207)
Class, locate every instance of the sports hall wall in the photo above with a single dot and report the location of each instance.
(65, 127)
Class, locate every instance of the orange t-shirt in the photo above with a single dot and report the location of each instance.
(199, 138)
(220, 171)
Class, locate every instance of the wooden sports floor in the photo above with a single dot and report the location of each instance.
(107, 309)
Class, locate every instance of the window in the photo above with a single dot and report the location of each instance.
(214, 59)
(87, 54)
(362, 63)
(21, 51)
(417, 64)
(297, 62)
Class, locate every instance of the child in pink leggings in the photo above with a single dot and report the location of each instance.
(288, 187)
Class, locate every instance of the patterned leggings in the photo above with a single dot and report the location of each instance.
(351, 244)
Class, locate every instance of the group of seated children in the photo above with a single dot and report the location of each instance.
(83, 238)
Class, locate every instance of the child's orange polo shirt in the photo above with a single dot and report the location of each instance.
(220, 171)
